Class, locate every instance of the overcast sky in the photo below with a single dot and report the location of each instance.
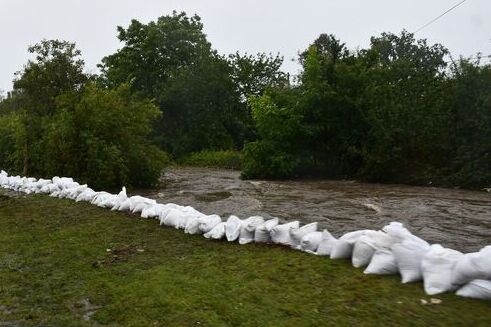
(284, 26)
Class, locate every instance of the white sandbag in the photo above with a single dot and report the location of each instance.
(165, 212)
(383, 262)
(409, 255)
(217, 232)
(207, 223)
(296, 234)
(232, 228)
(280, 234)
(248, 228)
(87, 195)
(476, 289)
(141, 203)
(367, 245)
(175, 218)
(437, 267)
(192, 225)
(476, 265)
(310, 242)
(343, 248)
(326, 244)
(152, 211)
(262, 232)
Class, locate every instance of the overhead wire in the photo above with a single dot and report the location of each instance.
(439, 16)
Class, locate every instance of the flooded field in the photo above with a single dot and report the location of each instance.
(454, 218)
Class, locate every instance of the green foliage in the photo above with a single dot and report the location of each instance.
(389, 113)
(221, 159)
(75, 128)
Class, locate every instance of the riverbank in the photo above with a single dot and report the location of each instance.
(74, 264)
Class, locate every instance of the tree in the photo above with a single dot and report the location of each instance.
(154, 53)
(253, 74)
(57, 69)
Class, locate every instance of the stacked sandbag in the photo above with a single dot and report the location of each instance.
(476, 265)
(280, 234)
(326, 244)
(382, 262)
(343, 248)
(208, 223)
(232, 228)
(367, 245)
(296, 234)
(408, 255)
(248, 229)
(262, 234)
(437, 266)
(476, 289)
(217, 232)
(310, 242)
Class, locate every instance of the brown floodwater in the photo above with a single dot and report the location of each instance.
(459, 219)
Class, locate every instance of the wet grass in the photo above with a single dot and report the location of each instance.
(227, 159)
(72, 264)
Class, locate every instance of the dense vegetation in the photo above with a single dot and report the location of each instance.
(58, 272)
(398, 111)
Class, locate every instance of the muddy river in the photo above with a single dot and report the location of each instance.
(454, 218)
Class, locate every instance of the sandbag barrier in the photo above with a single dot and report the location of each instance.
(391, 250)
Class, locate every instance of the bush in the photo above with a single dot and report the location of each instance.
(222, 159)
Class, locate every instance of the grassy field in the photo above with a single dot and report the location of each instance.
(73, 264)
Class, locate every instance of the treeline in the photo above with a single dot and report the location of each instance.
(395, 112)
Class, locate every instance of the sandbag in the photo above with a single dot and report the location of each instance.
(262, 234)
(296, 234)
(476, 289)
(207, 223)
(476, 265)
(408, 256)
(217, 232)
(310, 242)
(248, 228)
(280, 234)
(382, 262)
(367, 245)
(343, 247)
(175, 218)
(192, 225)
(437, 267)
(152, 211)
(326, 244)
(232, 228)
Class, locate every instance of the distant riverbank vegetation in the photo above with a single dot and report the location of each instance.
(400, 111)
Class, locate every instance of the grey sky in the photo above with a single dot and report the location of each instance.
(247, 25)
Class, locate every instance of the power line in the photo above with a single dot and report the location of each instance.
(440, 16)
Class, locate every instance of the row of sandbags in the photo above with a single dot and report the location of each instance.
(392, 250)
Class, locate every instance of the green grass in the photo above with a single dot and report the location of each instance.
(218, 159)
(55, 271)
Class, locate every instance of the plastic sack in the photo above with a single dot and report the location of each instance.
(383, 262)
(343, 247)
(217, 232)
(296, 234)
(280, 234)
(326, 244)
(476, 265)
(409, 255)
(248, 229)
(207, 223)
(476, 289)
(232, 228)
(367, 245)
(262, 234)
(310, 242)
(437, 267)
